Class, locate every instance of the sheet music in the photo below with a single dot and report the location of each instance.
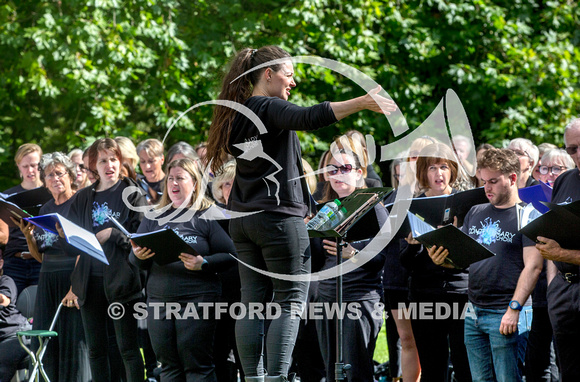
(418, 226)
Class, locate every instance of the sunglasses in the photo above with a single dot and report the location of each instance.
(556, 170)
(571, 150)
(343, 169)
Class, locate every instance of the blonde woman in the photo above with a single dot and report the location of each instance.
(18, 262)
(185, 346)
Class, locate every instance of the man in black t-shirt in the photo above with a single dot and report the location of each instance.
(499, 287)
(563, 270)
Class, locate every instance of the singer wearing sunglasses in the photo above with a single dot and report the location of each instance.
(362, 287)
(268, 171)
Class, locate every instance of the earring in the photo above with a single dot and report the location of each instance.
(269, 79)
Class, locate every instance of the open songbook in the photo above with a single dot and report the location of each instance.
(358, 221)
(440, 210)
(166, 244)
(9, 209)
(463, 250)
(29, 200)
(536, 195)
(561, 223)
(76, 236)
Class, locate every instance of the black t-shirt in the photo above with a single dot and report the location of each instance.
(174, 282)
(567, 190)
(10, 318)
(16, 240)
(363, 283)
(54, 258)
(492, 281)
(107, 202)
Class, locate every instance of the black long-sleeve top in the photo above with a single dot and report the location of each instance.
(173, 282)
(268, 165)
(121, 279)
(428, 278)
(363, 283)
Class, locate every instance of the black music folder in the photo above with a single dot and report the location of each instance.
(166, 244)
(9, 209)
(440, 210)
(30, 200)
(463, 250)
(561, 223)
(359, 220)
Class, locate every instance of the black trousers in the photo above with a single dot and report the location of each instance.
(439, 340)
(359, 340)
(11, 354)
(538, 352)
(184, 346)
(564, 310)
(99, 328)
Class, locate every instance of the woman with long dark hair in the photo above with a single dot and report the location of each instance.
(268, 171)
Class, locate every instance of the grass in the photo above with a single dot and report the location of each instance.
(381, 350)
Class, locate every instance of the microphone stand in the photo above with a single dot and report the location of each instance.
(339, 367)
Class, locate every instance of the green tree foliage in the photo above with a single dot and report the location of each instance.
(73, 71)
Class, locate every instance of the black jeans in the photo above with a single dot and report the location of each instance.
(99, 327)
(24, 272)
(276, 243)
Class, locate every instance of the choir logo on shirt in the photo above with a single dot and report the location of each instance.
(46, 238)
(490, 232)
(101, 213)
(191, 239)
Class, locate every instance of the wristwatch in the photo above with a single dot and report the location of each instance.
(515, 305)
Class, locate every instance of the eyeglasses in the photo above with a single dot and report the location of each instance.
(343, 169)
(58, 175)
(571, 150)
(556, 170)
(86, 169)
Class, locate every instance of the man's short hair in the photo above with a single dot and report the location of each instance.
(502, 160)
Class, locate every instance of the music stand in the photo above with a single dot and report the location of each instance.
(361, 225)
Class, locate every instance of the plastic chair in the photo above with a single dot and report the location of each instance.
(44, 337)
(26, 300)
